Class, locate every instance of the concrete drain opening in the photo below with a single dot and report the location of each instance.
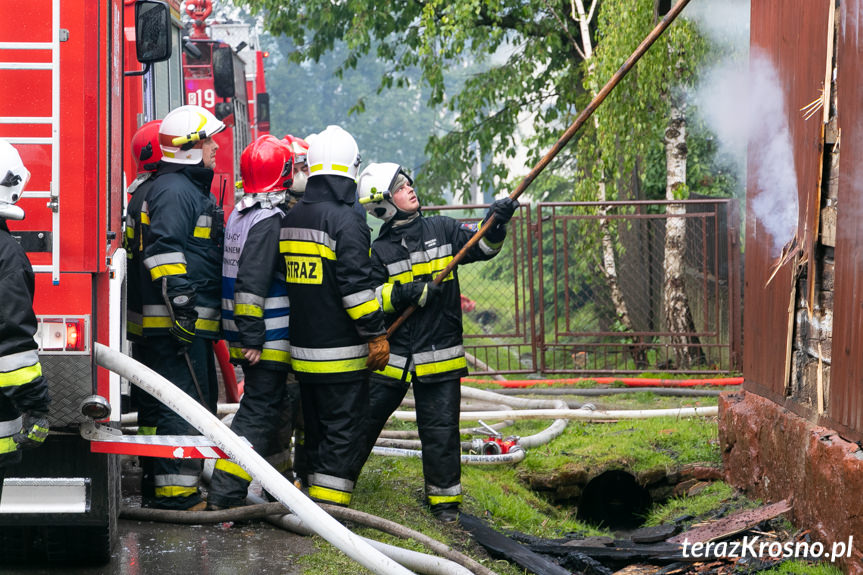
(615, 500)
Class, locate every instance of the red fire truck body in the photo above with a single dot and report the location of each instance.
(68, 109)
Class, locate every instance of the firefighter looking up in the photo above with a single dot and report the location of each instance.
(337, 326)
(24, 399)
(146, 154)
(180, 290)
(255, 318)
(426, 351)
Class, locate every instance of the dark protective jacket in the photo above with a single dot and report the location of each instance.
(431, 338)
(334, 311)
(21, 383)
(255, 308)
(181, 230)
(133, 243)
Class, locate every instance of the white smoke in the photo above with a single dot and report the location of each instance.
(742, 101)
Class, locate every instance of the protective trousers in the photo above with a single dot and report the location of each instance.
(147, 407)
(335, 416)
(176, 480)
(437, 407)
(268, 409)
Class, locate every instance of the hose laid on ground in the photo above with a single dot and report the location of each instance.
(581, 414)
(598, 391)
(514, 456)
(628, 381)
(243, 455)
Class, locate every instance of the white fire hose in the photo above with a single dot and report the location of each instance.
(186, 407)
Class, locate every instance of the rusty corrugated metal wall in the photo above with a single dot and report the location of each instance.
(793, 35)
(846, 402)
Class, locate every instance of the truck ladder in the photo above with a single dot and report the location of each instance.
(53, 193)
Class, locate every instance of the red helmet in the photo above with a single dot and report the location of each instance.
(145, 147)
(267, 165)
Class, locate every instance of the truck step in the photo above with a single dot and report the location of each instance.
(104, 439)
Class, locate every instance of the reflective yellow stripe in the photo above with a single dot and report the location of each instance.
(20, 376)
(492, 245)
(276, 355)
(237, 353)
(233, 469)
(7, 445)
(248, 310)
(336, 366)
(325, 494)
(432, 267)
(402, 278)
(394, 372)
(207, 325)
(438, 499)
(130, 232)
(441, 366)
(316, 168)
(134, 328)
(175, 491)
(366, 308)
(308, 248)
(156, 322)
(145, 218)
(38, 433)
(201, 232)
(387, 298)
(340, 168)
(167, 270)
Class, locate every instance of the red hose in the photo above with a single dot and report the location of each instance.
(627, 381)
(233, 390)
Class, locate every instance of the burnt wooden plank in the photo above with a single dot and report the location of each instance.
(732, 524)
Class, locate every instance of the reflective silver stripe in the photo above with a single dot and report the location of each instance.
(208, 312)
(227, 303)
(331, 482)
(439, 354)
(277, 302)
(133, 317)
(12, 427)
(204, 222)
(432, 490)
(18, 360)
(399, 267)
(487, 248)
(397, 361)
(278, 345)
(358, 298)
(145, 207)
(269, 323)
(329, 353)
(306, 235)
(180, 480)
(242, 297)
(431, 254)
(156, 311)
(165, 259)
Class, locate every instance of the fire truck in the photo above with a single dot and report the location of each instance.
(223, 67)
(77, 78)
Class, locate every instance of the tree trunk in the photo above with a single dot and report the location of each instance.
(608, 262)
(678, 315)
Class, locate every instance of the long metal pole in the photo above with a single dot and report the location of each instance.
(559, 145)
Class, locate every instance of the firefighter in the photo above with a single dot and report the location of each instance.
(180, 288)
(24, 399)
(300, 148)
(255, 315)
(427, 351)
(146, 154)
(337, 326)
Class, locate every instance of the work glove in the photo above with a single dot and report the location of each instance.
(419, 294)
(183, 326)
(379, 353)
(503, 210)
(33, 432)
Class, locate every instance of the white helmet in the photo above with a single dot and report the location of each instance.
(181, 133)
(13, 177)
(376, 188)
(333, 152)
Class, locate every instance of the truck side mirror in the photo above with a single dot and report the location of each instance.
(152, 31)
(263, 111)
(223, 71)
